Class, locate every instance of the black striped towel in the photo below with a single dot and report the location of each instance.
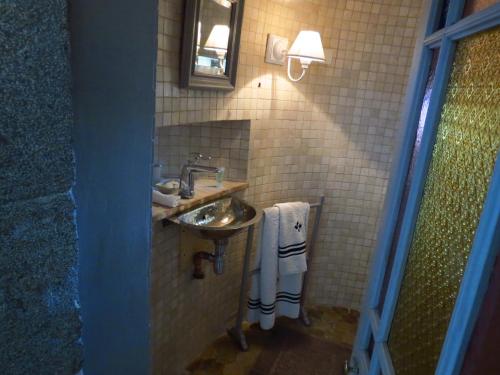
(292, 237)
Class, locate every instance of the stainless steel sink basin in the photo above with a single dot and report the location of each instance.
(219, 219)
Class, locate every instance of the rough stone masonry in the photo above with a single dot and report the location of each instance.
(39, 311)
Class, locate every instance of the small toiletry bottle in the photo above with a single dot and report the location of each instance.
(157, 173)
(219, 177)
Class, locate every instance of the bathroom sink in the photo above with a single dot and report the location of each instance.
(219, 219)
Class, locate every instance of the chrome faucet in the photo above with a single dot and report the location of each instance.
(186, 182)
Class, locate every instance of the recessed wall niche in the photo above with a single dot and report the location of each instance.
(227, 142)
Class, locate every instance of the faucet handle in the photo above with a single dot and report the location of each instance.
(199, 156)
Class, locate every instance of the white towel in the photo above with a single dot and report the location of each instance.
(271, 294)
(168, 200)
(261, 304)
(292, 237)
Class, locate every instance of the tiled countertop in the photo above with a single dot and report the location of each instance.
(205, 191)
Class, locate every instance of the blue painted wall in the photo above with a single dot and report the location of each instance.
(39, 313)
(113, 60)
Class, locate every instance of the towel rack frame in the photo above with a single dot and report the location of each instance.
(236, 333)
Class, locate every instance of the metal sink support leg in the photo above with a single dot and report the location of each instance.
(310, 252)
(236, 333)
(220, 249)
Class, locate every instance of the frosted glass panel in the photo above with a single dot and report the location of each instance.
(467, 142)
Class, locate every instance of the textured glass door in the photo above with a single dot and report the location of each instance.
(445, 195)
(468, 137)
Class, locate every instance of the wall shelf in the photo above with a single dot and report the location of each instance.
(205, 191)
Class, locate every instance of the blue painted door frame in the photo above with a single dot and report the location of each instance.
(114, 53)
(374, 326)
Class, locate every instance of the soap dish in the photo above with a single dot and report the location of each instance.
(168, 186)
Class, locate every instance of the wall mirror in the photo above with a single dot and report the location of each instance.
(210, 43)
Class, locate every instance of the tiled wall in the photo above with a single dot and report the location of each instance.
(331, 133)
(188, 314)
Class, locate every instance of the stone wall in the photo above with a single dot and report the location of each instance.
(39, 308)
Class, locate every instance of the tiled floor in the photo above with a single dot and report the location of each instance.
(332, 328)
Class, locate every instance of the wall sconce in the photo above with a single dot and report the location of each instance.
(307, 48)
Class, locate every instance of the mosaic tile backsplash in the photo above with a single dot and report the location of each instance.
(332, 133)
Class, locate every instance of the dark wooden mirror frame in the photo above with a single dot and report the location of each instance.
(191, 79)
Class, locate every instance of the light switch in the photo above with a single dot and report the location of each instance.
(276, 49)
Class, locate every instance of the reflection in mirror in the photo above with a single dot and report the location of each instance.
(210, 44)
(213, 31)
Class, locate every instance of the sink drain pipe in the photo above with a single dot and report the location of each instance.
(217, 258)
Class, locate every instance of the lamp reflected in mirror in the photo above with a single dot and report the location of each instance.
(210, 43)
(217, 42)
(224, 3)
(213, 33)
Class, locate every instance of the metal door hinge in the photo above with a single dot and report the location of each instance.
(348, 369)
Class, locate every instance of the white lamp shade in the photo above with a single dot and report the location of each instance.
(218, 38)
(198, 38)
(308, 46)
(224, 3)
